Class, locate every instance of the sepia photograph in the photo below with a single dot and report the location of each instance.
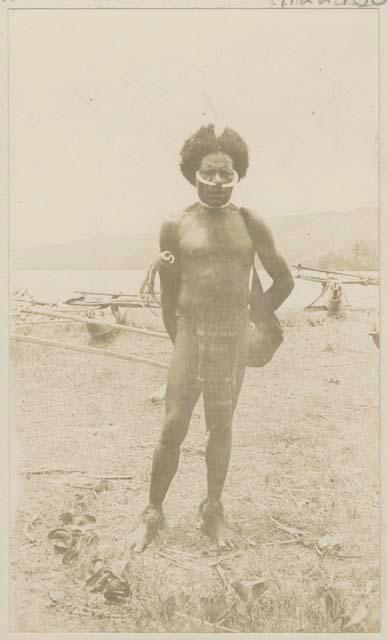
(193, 314)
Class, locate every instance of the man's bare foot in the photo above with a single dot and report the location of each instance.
(152, 520)
(213, 525)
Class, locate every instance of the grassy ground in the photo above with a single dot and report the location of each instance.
(302, 489)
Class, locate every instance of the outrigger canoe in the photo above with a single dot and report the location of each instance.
(102, 330)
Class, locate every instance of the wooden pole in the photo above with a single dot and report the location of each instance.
(28, 323)
(100, 323)
(79, 347)
(113, 296)
(335, 273)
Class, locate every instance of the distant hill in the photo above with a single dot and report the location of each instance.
(98, 252)
(350, 237)
(310, 238)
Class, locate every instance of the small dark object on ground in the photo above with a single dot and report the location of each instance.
(375, 337)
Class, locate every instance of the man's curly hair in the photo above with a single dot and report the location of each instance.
(204, 142)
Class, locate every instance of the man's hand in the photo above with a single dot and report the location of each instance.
(273, 262)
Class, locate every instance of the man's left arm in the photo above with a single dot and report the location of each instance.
(273, 262)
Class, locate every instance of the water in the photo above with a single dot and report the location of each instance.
(54, 286)
(59, 285)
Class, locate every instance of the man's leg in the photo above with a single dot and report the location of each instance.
(181, 396)
(218, 453)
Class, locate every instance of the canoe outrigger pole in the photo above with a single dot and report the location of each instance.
(327, 273)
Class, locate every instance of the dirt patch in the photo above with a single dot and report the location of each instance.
(302, 489)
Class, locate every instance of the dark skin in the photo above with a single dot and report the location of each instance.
(214, 256)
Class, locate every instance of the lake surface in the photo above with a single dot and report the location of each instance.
(55, 286)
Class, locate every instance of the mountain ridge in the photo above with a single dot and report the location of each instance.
(305, 238)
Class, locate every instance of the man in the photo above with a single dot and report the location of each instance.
(204, 301)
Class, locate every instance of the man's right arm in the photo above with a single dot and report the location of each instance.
(169, 276)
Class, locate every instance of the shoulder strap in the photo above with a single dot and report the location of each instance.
(256, 283)
(256, 292)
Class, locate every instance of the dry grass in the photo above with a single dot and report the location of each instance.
(305, 458)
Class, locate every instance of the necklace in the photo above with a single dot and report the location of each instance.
(208, 206)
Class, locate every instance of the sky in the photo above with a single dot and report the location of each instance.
(102, 101)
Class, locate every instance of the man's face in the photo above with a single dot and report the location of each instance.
(218, 170)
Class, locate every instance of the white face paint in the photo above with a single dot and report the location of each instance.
(213, 183)
(215, 180)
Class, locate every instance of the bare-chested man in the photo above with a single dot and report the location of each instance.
(204, 300)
